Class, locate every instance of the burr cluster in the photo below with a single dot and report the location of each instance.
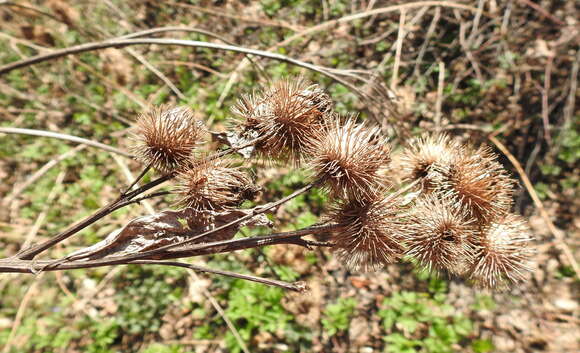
(454, 215)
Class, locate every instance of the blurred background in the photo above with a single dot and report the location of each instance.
(506, 69)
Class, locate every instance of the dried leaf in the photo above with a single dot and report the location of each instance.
(164, 228)
(235, 140)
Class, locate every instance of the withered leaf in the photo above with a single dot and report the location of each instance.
(167, 227)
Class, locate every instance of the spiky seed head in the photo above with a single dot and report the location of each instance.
(503, 253)
(166, 137)
(369, 235)
(422, 155)
(438, 234)
(479, 183)
(213, 185)
(350, 159)
(284, 118)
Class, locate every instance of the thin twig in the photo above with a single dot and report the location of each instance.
(297, 287)
(138, 178)
(475, 24)
(20, 313)
(175, 29)
(39, 173)
(571, 102)
(102, 212)
(33, 9)
(256, 211)
(157, 73)
(221, 312)
(187, 43)
(399, 46)
(543, 12)
(133, 181)
(530, 188)
(430, 31)
(46, 206)
(468, 51)
(221, 13)
(439, 103)
(143, 198)
(17, 265)
(379, 11)
(160, 41)
(121, 201)
(43, 133)
(545, 97)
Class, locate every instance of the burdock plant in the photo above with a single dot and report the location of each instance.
(166, 137)
(452, 214)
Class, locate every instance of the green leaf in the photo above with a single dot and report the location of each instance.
(482, 346)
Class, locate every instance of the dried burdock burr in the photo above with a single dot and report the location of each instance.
(479, 184)
(284, 118)
(350, 159)
(424, 156)
(439, 233)
(167, 137)
(369, 234)
(214, 185)
(503, 253)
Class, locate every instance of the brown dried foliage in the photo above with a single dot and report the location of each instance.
(166, 137)
(370, 234)
(214, 185)
(479, 184)
(438, 234)
(503, 253)
(350, 159)
(284, 118)
(424, 156)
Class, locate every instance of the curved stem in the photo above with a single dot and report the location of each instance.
(256, 211)
(160, 41)
(119, 43)
(126, 198)
(297, 286)
(42, 133)
(19, 265)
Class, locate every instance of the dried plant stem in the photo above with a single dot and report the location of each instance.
(297, 287)
(187, 43)
(175, 29)
(545, 103)
(126, 198)
(128, 42)
(29, 253)
(428, 36)
(131, 179)
(38, 174)
(42, 133)
(528, 184)
(378, 11)
(223, 315)
(256, 211)
(399, 46)
(17, 265)
(47, 205)
(543, 12)
(293, 237)
(31, 8)
(334, 23)
(138, 178)
(439, 103)
(20, 314)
